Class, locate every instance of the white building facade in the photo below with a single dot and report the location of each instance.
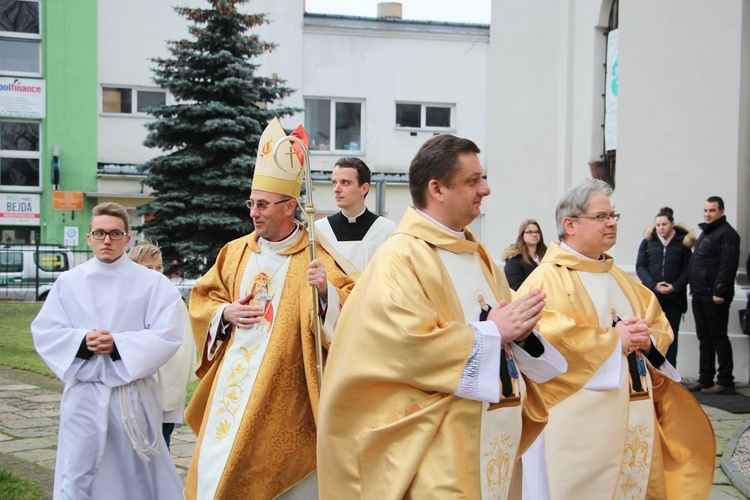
(681, 130)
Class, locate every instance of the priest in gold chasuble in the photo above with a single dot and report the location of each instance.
(252, 314)
(620, 424)
(430, 389)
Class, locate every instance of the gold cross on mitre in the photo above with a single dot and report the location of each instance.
(284, 174)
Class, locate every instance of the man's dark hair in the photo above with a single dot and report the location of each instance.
(436, 159)
(363, 171)
(716, 199)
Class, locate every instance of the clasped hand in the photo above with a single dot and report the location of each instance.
(516, 320)
(100, 341)
(634, 335)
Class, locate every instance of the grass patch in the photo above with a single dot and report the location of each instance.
(12, 486)
(16, 344)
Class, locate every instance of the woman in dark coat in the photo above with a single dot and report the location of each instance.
(662, 266)
(524, 255)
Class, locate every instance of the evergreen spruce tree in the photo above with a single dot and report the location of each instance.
(210, 138)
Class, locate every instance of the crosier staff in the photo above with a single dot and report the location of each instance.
(309, 210)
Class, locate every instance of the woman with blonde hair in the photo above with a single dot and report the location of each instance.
(524, 255)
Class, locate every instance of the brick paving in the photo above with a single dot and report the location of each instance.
(29, 406)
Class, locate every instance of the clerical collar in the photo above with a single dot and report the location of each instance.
(353, 220)
(279, 246)
(460, 234)
(564, 246)
(351, 228)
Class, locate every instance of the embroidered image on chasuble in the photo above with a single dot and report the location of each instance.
(254, 408)
(652, 443)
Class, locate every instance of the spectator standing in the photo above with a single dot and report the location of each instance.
(522, 257)
(662, 266)
(712, 271)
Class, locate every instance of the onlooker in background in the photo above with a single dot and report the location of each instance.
(105, 329)
(662, 266)
(712, 270)
(524, 255)
(179, 371)
(354, 232)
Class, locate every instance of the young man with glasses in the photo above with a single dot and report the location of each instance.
(105, 329)
(603, 410)
(252, 314)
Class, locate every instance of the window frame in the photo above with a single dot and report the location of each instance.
(423, 116)
(23, 155)
(333, 101)
(6, 262)
(19, 36)
(134, 97)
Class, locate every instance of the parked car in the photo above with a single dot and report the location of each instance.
(185, 286)
(28, 271)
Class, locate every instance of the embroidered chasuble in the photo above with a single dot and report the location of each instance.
(254, 410)
(500, 429)
(410, 406)
(657, 443)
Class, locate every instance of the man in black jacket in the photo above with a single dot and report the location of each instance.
(712, 270)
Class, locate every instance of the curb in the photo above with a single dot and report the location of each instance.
(735, 475)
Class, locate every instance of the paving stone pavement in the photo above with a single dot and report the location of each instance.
(29, 406)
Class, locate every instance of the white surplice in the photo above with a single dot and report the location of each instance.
(143, 312)
(359, 252)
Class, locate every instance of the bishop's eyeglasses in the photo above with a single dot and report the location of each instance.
(113, 235)
(601, 217)
(262, 206)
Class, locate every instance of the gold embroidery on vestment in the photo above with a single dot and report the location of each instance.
(499, 466)
(228, 404)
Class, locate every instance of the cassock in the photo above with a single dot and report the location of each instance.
(605, 439)
(99, 456)
(356, 238)
(411, 404)
(255, 408)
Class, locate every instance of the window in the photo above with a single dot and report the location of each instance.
(51, 261)
(334, 124)
(20, 38)
(129, 101)
(19, 154)
(426, 116)
(11, 262)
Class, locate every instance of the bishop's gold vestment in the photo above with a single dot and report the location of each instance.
(390, 425)
(682, 462)
(275, 445)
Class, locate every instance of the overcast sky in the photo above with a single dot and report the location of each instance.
(462, 11)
